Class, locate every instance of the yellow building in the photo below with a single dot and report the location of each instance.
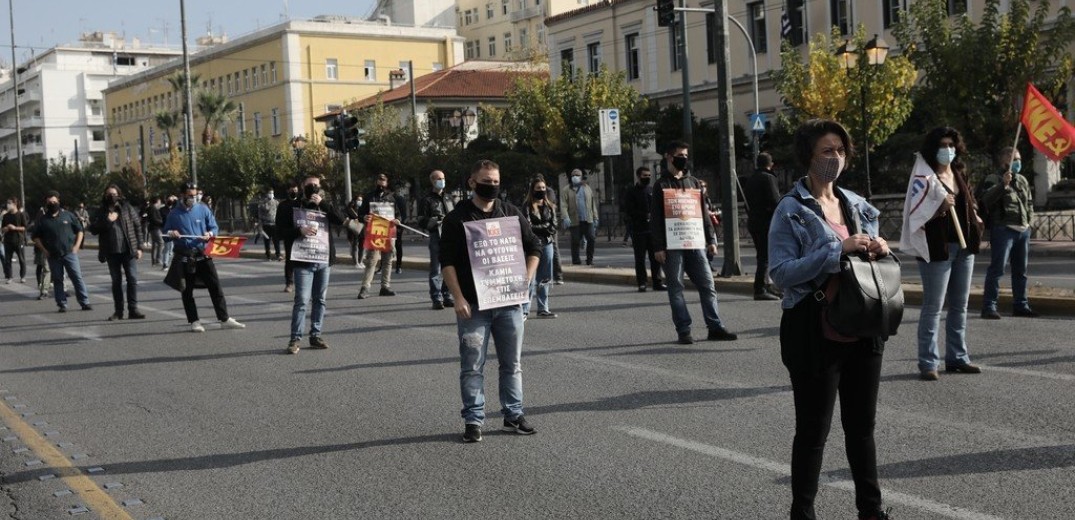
(508, 29)
(280, 77)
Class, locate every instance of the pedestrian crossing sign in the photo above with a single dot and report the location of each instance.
(757, 123)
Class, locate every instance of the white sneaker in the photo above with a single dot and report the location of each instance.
(196, 326)
(230, 323)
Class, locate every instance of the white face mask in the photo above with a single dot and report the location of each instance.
(269, 195)
(575, 179)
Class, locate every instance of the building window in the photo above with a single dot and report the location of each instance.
(257, 124)
(240, 123)
(264, 75)
(492, 46)
(797, 35)
(757, 27)
(405, 66)
(541, 36)
(276, 121)
(567, 62)
(675, 44)
(841, 15)
(489, 11)
(98, 135)
(437, 66)
(272, 72)
(507, 42)
(593, 57)
(254, 77)
(468, 50)
(369, 72)
(246, 80)
(504, 6)
(524, 39)
(115, 154)
(125, 61)
(891, 12)
(631, 44)
(127, 148)
(957, 7)
(467, 20)
(332, 69)
(231, 86)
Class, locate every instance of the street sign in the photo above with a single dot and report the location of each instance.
(757, 123)
(609, 122)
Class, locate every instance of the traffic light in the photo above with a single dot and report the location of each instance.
(333, 135)
(349, 131)
(666, 13)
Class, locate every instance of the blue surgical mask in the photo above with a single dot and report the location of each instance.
(438, 184)
(1016, 166)
(945, 156)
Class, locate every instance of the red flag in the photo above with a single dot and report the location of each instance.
(224, 247)
(1049, 132)
(378, 234)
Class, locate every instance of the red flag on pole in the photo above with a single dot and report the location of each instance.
(1049, 132)
(224, 247)
(378, 235)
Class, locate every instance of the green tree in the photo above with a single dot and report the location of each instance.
(973, 74)
(821, 88)
(168, 121)
(217, 109)
(236, 168)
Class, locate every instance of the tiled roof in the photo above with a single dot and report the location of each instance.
(461, 82)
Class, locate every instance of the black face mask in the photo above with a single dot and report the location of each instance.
(310, 190)
(539, 194)
(679, 163)
(111, 200)
(487, 191)
(293, 195)
(53, 207)
(643, 181)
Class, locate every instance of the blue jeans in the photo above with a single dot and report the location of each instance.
(166, 253)
(941, 277)
(311, 283)
(1005, 243)
(120, 266)
(542, 279)
(69, 263)
(438, 290)
(505, 326)
(696, 265)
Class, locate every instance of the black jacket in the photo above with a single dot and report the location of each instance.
(432, 209)
(543, 222)
(637, 201)
(388, 196)
(762, 196)
(130, 222)
(285, 222)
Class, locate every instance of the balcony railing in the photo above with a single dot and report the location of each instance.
(525, 14)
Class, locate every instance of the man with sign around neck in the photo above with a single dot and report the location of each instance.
(501, 321)
(681, 243)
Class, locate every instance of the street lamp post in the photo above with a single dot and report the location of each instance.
(298, 144)
(463, 119)
(876, 51)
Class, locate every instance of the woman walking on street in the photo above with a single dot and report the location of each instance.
(814, 225)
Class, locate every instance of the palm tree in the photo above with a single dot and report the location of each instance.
(167, 121)
(217, 109)
(176, 80)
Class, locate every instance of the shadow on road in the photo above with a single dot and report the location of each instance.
(141, 361)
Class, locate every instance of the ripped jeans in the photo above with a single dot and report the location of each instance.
(505, 327)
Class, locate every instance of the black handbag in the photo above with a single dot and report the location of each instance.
(869, 301)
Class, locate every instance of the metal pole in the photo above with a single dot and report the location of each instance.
(728, 180)
(688, 126)
(754, 65)
(347, 174)
(188, 120)
(142, 160)
(866, 142)
(15, 93)
(414, 97)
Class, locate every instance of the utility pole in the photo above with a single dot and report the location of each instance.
(15, 94)
(188, 116)
(726, 166)
(688, 127)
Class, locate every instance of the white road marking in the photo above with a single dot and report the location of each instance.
(894, 497)
(1035, 373)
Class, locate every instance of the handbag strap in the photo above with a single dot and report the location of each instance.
(883, 295)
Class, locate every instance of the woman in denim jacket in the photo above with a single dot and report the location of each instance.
(808, 234)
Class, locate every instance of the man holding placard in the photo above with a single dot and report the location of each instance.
(488, 255)
(682, 233)
(381, 203)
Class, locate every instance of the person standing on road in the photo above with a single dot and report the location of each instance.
(83, 215)
(541, 211)
(154, 222)
(578, 212)
(937, 189)
(475, 326)
(401, 203)
(762, 196)
(119, 227)
(311, 277)
(353, 238)
(1008, 204)
(637, 201)
(267, 207)
(431, 212)
(190, 225)
(58, 234)
(685, 255)
(380, 201)
(810, 232)
(13, 225)
(286, 206)
(168, 247)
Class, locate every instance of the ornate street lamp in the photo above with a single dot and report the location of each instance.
(876, 51)
(298, 144)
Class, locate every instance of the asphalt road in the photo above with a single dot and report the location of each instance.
(223, 425)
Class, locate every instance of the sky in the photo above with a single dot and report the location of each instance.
(43, 24)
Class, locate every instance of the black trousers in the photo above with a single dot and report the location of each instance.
(557, 267)
(584, 230)
(203, 270)
(399, 247)
(122, 266)
(11, 250)
(760, 235)
(820, 371)
(643, 246)
(270, 230)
